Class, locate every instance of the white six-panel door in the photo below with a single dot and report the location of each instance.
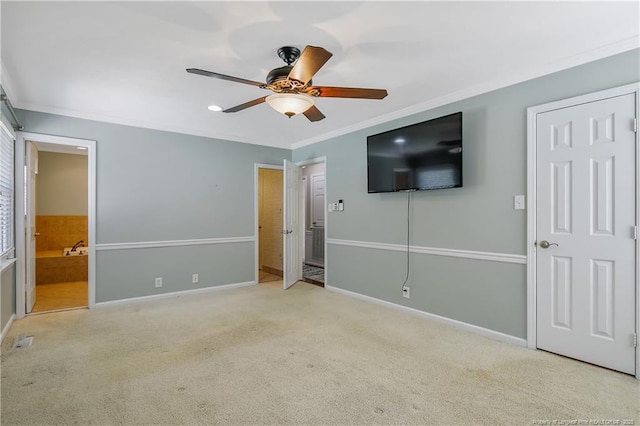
(586, 190)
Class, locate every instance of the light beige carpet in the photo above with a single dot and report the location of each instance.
(261, 355)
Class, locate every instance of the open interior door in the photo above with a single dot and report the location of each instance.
(292, 237)
(30, 225)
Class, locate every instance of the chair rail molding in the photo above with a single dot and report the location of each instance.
(434, 251)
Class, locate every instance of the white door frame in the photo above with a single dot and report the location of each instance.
(532, 113)
(326, 216)
(20, 211)
(31, 165)
(255, 216)
(256, 212)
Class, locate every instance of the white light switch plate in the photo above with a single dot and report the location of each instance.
(518, 202)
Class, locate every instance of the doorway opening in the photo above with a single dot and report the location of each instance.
(57, 202)
(289, 226)
(269, 226)
(313, 195)
(55, 208)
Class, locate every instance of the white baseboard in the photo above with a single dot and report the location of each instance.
(496, 335)
(6, 328)
(173, 294)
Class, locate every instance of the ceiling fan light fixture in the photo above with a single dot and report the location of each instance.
(289, 104)
(294, 92)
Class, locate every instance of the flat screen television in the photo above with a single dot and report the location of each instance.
(421, 156)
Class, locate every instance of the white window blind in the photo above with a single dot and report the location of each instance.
(6, 191)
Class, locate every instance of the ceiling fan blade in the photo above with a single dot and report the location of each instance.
(309, 62)
(246, 105)
(348, 92)
(223, 77)
(313, 114)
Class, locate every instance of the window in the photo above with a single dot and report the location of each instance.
(6, 191)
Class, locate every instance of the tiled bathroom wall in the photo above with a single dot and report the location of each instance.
(58, 232)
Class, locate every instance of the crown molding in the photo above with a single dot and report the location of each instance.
(105, 118)
(545, 69)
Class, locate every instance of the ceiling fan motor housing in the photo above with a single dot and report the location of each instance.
(278, 74)
(278, 80)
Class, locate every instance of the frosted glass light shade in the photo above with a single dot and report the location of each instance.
(289, 104)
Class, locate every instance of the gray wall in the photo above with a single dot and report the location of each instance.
(61, 184)
(158, 186)
(7, 295)
(161, 186)
(477, 217)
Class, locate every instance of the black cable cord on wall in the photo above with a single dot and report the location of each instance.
(408, 235)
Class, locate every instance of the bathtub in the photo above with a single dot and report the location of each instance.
(53, 266)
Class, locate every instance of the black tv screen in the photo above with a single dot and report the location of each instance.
(425, 155)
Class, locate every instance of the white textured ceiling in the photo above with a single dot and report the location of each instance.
(124, 62)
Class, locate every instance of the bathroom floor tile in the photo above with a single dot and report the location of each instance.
(51, 297)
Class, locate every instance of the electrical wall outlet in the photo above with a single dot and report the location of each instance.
(195, 278)
(405, 292)
(158, 282)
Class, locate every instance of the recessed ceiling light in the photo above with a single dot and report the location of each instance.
(81, 147)
(215, 108)
(399, 140)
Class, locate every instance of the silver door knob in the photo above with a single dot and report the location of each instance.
(546, 244)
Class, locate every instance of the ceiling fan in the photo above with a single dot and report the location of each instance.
(292, 85)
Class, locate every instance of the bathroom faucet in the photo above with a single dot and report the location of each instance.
(78, 244)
